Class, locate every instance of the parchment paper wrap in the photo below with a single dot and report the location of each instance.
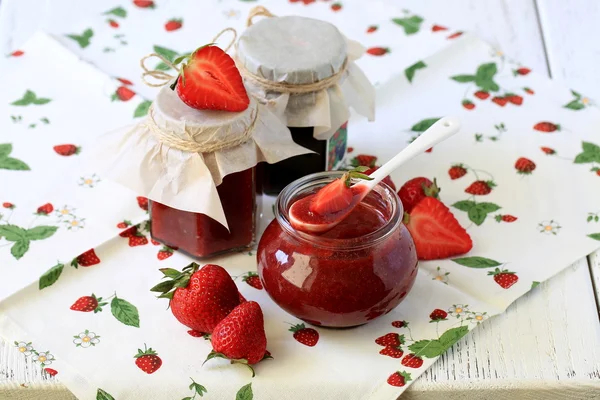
(134, 157)
(298, 50)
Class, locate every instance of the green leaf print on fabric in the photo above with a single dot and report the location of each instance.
(84, 39)
(477, 212)
(410, 71)
(117, 11)
(50, 277)
(166, 53)
(12, 233)
(464, 205)
(125, 312)
(463, 78)
(30, 98)
(13, 164)
(142, 109)
(423, 125)
(575, 105)
(411, 25)
(595, 236)
(477, 262)
(41, 232)
(483, 78)
(436, 347)
(591, 153)
(103, 395)
(22, 237)
(245, 393)
(19, 249)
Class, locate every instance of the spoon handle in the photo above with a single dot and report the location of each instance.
(442, 129)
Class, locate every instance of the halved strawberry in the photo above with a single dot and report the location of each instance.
(334, 197)
(209, 80)
(437, 234)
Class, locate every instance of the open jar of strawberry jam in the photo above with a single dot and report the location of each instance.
(347, 276)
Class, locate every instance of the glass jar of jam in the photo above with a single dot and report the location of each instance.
(352, 274)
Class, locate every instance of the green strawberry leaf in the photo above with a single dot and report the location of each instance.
(166, 53)
(84, 39)
(41, 100)
(423, 125)
(411, 25)
(19, 249)
(477, 215)
(26, 100)
(427, 348)
(464, 205)
(102, 395)
(41, 232)
(142, 109)
(463, 78)
(484, 77)
(51, 276)
(577, 95)
(453, 335)
(117, 11)
(489, 207)
(13, 164)
(5, 149)
(245, 393)
(591, 153)
(410, 71)
(125, 312)
(589, 147)
(534, 284)
(595, 236)
(477, 262)
(13, 233)
(574, 105)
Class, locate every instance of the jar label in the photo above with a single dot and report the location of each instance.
(336, 147)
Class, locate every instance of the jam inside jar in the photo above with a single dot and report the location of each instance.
(201, 236)
(352, 274)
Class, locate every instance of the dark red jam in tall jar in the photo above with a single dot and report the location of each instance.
(199, 235)
(348, 276)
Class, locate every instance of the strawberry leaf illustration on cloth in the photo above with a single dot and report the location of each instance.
(411, 25)
(595, 236)
(30, 98)
(483, 78)
(117, 12)
(245, 393)
(436, 347)
(103, 395)
(10, 163)
(423, 125)
(142, 109)
(125, 312)
(410, 71)
(84, 39)
(169, 54)
(578, 103)
(23, 237)
(477, 262)
(590, 154)
(477, 212)
(50, 277)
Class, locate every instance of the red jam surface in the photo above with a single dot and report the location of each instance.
(343, 277)
(201, 236)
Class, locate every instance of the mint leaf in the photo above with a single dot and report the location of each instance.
(595, 236)
(463, 78)
(574, 105)
(117, 11)
(464, 205)
(26, 100)
(142, 109)
(51, 276)
(19, 249)
(411, 25)
(5, 149)
(423, 125)
(13, 164)
(13, 233)
(41, 232)
(102, 395)
(410, 71)
(125, 312)
(477, 262)
(245, 393)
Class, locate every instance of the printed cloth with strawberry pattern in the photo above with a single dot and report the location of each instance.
(521, 177)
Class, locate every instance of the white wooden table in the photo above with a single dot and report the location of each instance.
(547, 346)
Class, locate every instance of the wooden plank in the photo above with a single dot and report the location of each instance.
(594, 261)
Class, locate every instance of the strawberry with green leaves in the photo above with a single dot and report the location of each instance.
(147, 360)
(480, 188)
(164, 253)
(88, 304)
(399, 378)
(306, 336)
(504, 278)
(412, 361)
(252, 279)
(86, 259)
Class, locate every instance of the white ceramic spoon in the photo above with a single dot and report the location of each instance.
(441, 130)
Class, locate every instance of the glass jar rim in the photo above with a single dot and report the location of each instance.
(291, 191)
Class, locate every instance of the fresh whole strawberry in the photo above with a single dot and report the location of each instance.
(505, 218)
(372, 28)
(504, 278)
(399, 324)
(378, 51)
(8, 205)
(501, 101)
(546, 127)
(199, 297)
(66, 149)
(173, 24)
(387, 180)
(482, 94)
(412, 361)
(45, 209)
(88, 304)
(521, 71)
(438, 28)
(435, 231)
(240, 337)
(147, 360)
(51, 372)
(514, 99)
(528, 90)
(415, 190)
(306, 336)
(480, 188)
(390, 339)
(524, 166)
(144, 3)
(164, 253)
(364, 160)
(399, 378)
(548, 150)
(438, 315)
(457, 171)
(142, 202)
(123, 93)
(86, 259)
(336, 6)
(391, 351)
(455, 35)
(252, 279)
(113, 23)
(138, 240)
(209, 80)
(468, 104)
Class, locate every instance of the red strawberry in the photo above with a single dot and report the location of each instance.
(252, 279)
(415, 190)
(399, 378)
(514, 99)
(391, 351)
(504, 278)
(505, 218)
(240, 337)
(364, 160)
(528, 90)
(387, 179)
(147, 360)
(333, 197)
(546, 127)
(521, 71)
(524, 166)
(435, 231)
(468, 104)
(501, 101)
(123, 93)
(457, 171)
(144, 3)
(455, 35)
(17, 53)
(45, 209)
(88, 303)
(350, 149)
(437, 28)
(412, 361)
(66, 149)
(548, 150)
(378, 51)
(306, 336)
(113, 23)
(399, 324)
(129, 232)
(390, 339)
(142, 202)
(202, 297)
(125, 81)
(124, 224)
(372, 28)
(154, 242)
(242, 298)
(438, 315)
(164, 253)
(137, 240)
(8, 205)
(51, 372)
(173, 24)
(209, 80)
(480, 188)
(86, 259)
(482, 94)
(336, 6)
